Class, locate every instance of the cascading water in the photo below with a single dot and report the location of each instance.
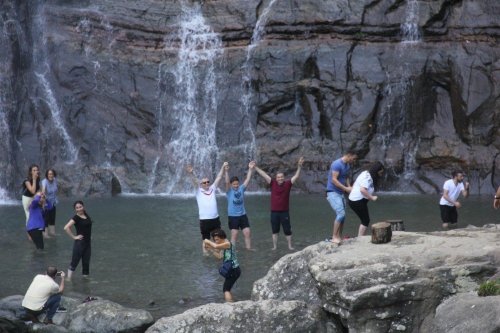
(409, 28)
(248, 133)
(69, 153)
(9, 30)
(68, 150)
(192, 116)
(395, 135)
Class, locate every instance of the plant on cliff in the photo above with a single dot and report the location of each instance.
(489, 288)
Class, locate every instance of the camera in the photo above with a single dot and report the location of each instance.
(58, 273)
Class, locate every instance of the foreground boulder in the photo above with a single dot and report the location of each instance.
(386, 287)
(96, 316)
(466, 313)
(248, 316)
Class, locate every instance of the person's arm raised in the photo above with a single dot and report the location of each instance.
(299, 167)
(263, 174)
(251, 167)
(226, 176)
(194, 180)
(219, 175)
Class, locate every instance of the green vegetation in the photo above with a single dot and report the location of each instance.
(489, 288)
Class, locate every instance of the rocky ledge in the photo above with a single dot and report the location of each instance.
(95, 316)
(419, 282)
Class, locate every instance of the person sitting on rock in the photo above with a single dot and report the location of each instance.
(44, 294)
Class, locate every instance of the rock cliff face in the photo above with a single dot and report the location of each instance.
(118, 96)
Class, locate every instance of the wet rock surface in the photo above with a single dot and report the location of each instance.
(93, 88)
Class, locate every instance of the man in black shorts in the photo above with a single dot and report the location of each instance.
(236, 213)
(207, 204)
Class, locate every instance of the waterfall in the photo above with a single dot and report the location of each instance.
(409, 28)
(192, 116)
(9, 30)
(395, 136)
(247, 95)
(5, 138)
(69, 152)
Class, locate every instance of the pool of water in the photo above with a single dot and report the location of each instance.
(146, 251)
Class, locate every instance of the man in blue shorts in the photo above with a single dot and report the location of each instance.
(236, 214)
(339, 184)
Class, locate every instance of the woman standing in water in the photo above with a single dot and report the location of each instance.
(362, 192)
(221, 248)
(31, 185)
(81, 247)
(36, 224)
(49, 187)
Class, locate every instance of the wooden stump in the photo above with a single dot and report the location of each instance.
(396, 225)
(381, 233)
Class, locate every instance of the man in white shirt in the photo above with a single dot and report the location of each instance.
(44, 294)
(449, 203)
(207, 203)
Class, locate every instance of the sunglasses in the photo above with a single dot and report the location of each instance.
(206, 182)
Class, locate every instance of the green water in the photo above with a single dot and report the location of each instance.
(146, 251)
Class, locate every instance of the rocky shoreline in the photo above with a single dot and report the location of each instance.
(419, 282)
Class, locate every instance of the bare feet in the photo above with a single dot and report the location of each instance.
(291, 248)
(274, 248)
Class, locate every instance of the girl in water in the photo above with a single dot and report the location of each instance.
(49, 187)
(31, 185)
(81, 247)
(36, 223)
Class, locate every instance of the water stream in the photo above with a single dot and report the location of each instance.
(69, 152)
(192, 116)
(10, 33)
(247, 105)
(395, 134)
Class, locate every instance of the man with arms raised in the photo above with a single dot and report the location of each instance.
(207, 204)
(280, 197)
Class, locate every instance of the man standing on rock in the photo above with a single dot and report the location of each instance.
(280, 198)
(44, 294)
(448, 203)
(338, 184)
(207, 204)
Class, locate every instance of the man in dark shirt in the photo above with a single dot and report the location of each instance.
(280, 197)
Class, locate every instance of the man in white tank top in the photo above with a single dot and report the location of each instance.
(449, 203)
